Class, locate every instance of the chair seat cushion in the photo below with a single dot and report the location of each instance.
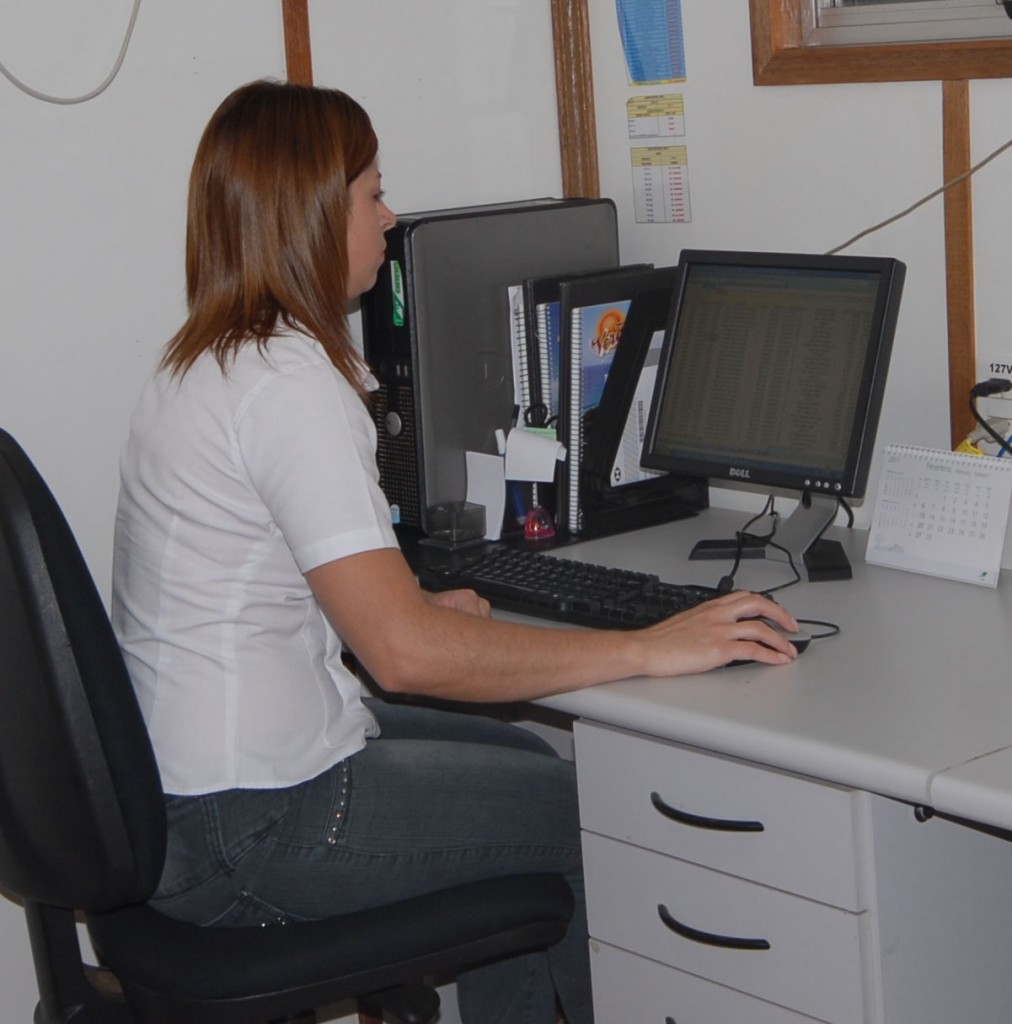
(341, 956)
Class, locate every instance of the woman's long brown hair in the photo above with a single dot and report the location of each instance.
(266, 238)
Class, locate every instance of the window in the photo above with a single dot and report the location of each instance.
(850, 22)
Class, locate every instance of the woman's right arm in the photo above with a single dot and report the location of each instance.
(449, 648)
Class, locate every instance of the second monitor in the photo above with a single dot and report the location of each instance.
(772, 374)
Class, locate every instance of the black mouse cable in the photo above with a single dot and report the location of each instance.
(790, 561)
(830, 628)
(726, 583)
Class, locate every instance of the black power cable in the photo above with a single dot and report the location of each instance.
(994, 386)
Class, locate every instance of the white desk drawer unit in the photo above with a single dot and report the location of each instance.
(742, 875)
(663, 995)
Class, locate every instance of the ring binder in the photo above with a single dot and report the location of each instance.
(609, 323)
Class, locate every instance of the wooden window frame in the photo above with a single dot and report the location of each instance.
(779, 56)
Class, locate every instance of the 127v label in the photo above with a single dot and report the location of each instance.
(995, 364)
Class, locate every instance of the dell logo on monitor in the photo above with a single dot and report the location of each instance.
(738, 474)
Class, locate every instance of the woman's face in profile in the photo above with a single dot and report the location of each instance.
(369, 219)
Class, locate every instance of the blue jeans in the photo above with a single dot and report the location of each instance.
(438, 799)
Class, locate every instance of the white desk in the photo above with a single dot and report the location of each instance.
(872, 915)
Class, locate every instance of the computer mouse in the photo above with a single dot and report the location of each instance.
(800, 639)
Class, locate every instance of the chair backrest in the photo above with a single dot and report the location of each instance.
(82, 820)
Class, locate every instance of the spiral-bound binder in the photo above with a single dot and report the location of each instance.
(609, 323)
(546, 355)
(544, 334)
(519, 346)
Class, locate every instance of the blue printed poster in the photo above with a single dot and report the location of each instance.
(653, 40)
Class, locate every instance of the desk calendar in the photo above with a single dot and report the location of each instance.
(941, 513)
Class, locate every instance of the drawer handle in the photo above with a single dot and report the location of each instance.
(707, 938)
(698, 821)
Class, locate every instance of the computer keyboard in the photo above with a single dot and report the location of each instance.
(565, 590)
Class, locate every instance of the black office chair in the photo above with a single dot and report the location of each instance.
(82, 827)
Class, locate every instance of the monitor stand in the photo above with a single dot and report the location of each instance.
(801, 536)
(798, 536)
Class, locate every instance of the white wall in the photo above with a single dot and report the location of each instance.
(92, 203)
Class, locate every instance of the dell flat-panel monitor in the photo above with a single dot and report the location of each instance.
(772, 375)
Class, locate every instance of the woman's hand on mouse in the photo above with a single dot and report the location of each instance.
(728, 628)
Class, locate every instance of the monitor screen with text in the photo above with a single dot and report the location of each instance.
(773, 369)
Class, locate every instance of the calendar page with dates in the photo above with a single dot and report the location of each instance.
(941, 513)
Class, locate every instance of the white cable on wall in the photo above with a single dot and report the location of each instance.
(924, 199)
(46, 98)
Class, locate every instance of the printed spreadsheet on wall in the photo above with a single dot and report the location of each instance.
(654, 47)
(941, 513)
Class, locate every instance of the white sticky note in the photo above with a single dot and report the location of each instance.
(532, 456)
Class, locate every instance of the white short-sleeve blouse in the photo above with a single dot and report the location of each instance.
(232, 486)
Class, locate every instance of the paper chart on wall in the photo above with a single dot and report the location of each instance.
(656, 117)
(661, 184)
(654, 47)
